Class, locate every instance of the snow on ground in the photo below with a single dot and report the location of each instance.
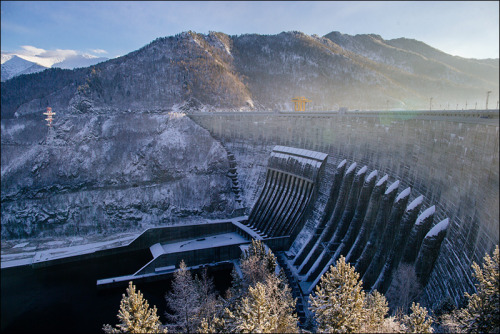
(55, 243)
(218, 240)
(16, 263)
(16, 252)
(21, 245)
(81, 249)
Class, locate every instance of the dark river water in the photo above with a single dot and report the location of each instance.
(65, 299)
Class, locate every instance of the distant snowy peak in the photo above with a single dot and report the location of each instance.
(14, 65)
(77, 61)
(6, 57)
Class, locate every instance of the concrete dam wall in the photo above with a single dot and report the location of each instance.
(448, 160)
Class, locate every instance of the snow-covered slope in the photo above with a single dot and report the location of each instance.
(109, 173)
(77, 61)
(14, 65)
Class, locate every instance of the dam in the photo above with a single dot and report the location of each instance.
(445, 164)
(379, 188)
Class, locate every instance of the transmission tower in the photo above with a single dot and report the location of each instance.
(487, 97)
(49, 114)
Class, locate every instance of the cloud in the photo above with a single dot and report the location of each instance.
(28, 50)
(99, 51)
(58, 53)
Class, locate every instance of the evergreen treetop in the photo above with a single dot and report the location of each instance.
(135, 315)
(482, 314)
(418, 321)
(339, 300)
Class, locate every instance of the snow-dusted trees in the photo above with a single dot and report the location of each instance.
(256, 265)
(191, 300)
(404, 288)
(259, 301)
(418, 321)
(207, 297)
(266, 308)
(339, 300)
(135, 315)
(341, 306)
(375, 312)
(183, 300)
(482, 314)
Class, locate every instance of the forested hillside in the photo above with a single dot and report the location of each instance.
(262, 72)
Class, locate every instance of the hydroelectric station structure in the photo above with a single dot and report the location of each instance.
(381, 189)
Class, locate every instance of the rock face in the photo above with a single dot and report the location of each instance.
(109, 172)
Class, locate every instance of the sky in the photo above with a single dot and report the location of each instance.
(109, 29)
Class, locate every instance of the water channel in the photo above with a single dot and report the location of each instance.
(65, 299)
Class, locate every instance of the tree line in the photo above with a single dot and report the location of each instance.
(260, 300)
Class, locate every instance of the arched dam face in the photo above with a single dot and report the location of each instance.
(379, 188)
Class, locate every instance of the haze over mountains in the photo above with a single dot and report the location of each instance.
(263, 72)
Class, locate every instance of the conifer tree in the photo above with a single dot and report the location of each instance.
(482, 314)
(259, 301)
(375, 310)
(183, 300)
(266, 308)
(418, 321)
(258, 249)
(339, 299)
(218, 324)
(256, 265)
(207, 298)
(135, 315)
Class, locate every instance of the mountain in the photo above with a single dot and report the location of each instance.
(415, 57)
(15, 65)
(263, 72)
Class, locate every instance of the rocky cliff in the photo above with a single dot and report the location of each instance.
(109, 172)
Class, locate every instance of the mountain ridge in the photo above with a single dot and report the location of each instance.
(263, 72)
(16, 65)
